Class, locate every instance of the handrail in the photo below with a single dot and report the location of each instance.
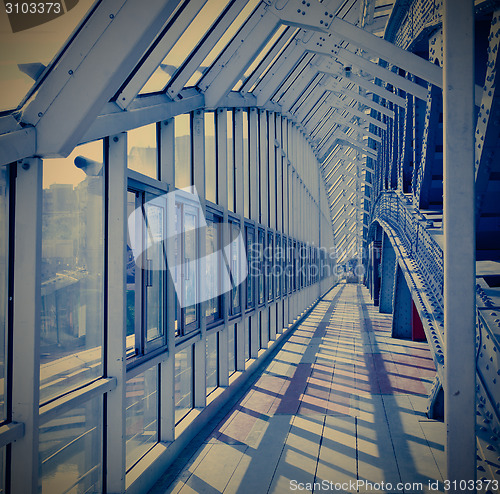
(392, 208)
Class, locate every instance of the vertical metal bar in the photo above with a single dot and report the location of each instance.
(167, 367)
(26, 334)
(198, 143)
(459, 238)
(221, 136)
(117, 319)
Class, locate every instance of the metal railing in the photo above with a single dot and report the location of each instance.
(396, 210)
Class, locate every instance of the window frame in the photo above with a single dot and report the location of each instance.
(213, 321)
(270, 244)
(261, 232)
(186, 331)
(234, 311)
(249, 306)
(144, 350)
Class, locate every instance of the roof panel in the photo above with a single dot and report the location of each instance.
(26, 52)
(260, 56)
(223, 42)
(184, 46)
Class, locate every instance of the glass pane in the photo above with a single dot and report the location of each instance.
(210, 158)
(258, 59)
(4, 263)
(213, 267)
(277, 262)
(70, 451)
(230, 161)
(246, 337)
(271, 63)
(141, 415)
(133, 291)
(185, 45)
(183, 151)
(72, 270)
(183, 383)
(246, 169)
(223, 41)
(235, 299)
(142, 150)
(177, 268)
(26, 46)
(190, 266)
(155, 271)
(251, 269)
(231, 346)
(261, 266)
(212, 365)
(269, 264)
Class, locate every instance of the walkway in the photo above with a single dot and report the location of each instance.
(342, 401)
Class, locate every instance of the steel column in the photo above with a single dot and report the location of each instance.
(459, 238)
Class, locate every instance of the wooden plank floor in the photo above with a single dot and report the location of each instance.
(341, 406)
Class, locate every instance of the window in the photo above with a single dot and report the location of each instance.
(251, 258)
(290, 267)
(146, 275)
(143, 151)
(186, 267)
(72, 280)
(141, 397)
(234, 230)
(183, 165)
(214, 266)
(183, 383)
(210, 158)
